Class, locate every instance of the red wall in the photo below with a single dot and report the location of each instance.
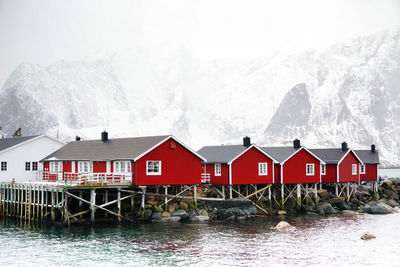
(67, 166)
(46, 166)
(294, 170)
(223, 179)
(330, 176)
(345, 169)
(99, 166)
(245, 168)
(370, 173)
(178, 166)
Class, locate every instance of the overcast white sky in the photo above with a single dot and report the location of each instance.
(44, 31)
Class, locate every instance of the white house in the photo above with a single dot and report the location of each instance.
(20, 156)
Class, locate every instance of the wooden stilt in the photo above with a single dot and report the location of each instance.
(119, 205)
(53, 214)
(195, 196)
(336, 189)
(33, 203)
(283, 196)
(132, 204)
(105, 201)
(316, 194)
(230, 192)
(223, 192)
(42, 204)
(66, 213)
(166, 198)
(93, 205)
(143, 202)
(298, 195)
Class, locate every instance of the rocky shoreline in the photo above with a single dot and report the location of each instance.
(362, 201)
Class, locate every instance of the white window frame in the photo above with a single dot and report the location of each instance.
(35, 163)
(3, 166)
(362, 168)
(55, 166)
(312, 165)
(85, 166)
(354, 169)
(323, 169)
(217, 169)
(148, 172)
(263, 168)
(27, 166)
(122, 165)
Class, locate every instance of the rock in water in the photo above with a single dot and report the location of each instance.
(236, 208)
(283, 226)
(378, 208)
(367, 236)
(200, 218)
(180, 213)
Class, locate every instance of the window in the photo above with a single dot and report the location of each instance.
(34, 166)
(354, 169)
(85, 166)
(217, 169)
(153, 167)
(310, 169)
(362, 169)
(122, 166)
(27, 166)
(323, 169)
(262, 168)
(4, 165)
(56, 166)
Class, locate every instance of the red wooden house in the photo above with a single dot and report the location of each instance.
(370, 158)
(342, 165)
(296, 164)
(152, 160)
(238, 164)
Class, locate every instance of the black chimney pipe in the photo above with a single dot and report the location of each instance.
(104, 136)
(344, 146)
(373, 148)
(246, 141)
(296, 143)
(77, 138)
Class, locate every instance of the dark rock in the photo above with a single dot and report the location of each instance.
(378, 208)
(327, 208)
(343, 206)
(200, 218)
(392, 203)
(336, 200)
(323, 194)
(192, 213)
(147, 213)
(310, 213)
(156, 215)
(235, 208)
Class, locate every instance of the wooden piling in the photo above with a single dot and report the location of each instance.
(53, 214)
(119, 204)
(92, 205)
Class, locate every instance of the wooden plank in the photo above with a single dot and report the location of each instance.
(263, 210)
(258, 191)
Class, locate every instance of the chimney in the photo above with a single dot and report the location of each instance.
(104, 136)
(344, 146)
(77, 138)
(373, 148)
(246, 141)
(296, 143)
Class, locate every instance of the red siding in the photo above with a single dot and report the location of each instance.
(67, 166)
(245, 168)
(99, 166)
(46, 166)
(277, 174)
(223, 179)
(294, 170)
(178, 166)
(370, 173)
(345, 169)
(330, 176)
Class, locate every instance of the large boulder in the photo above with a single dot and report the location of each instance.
(367, 236)
(203, 213)
(156, 215)
(171, 208)
(327, 208)
(323, 194)
(378, 208)
(200, 218)
(336, 200)
(392, 203)
(183, 206)
(180, 213)
(235, 208)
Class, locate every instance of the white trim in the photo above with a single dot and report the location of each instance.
(354, 153)
(273, 172)
(215, 169)
(298, 150)
(256, 147)
(27, 141)
(281, 174)
(230, 174)
(153, 173)
(163, 141)
(313, 169)
(266, 168)
(337, 172)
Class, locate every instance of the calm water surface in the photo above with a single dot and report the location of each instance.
(326, 241)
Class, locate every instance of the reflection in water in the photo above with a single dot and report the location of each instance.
(314, 241)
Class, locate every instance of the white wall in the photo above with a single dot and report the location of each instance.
(34, 150)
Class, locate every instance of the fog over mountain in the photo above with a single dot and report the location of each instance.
(349, 92)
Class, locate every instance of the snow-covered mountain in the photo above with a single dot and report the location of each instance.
(349, 92)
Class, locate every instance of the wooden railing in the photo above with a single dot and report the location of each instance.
(85, 178)
(205, 178)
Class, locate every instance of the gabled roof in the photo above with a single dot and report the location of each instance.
(131, 148)
(333, 155)
(221, 154)
(282, 154)
(7, 143)
(368, 157)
